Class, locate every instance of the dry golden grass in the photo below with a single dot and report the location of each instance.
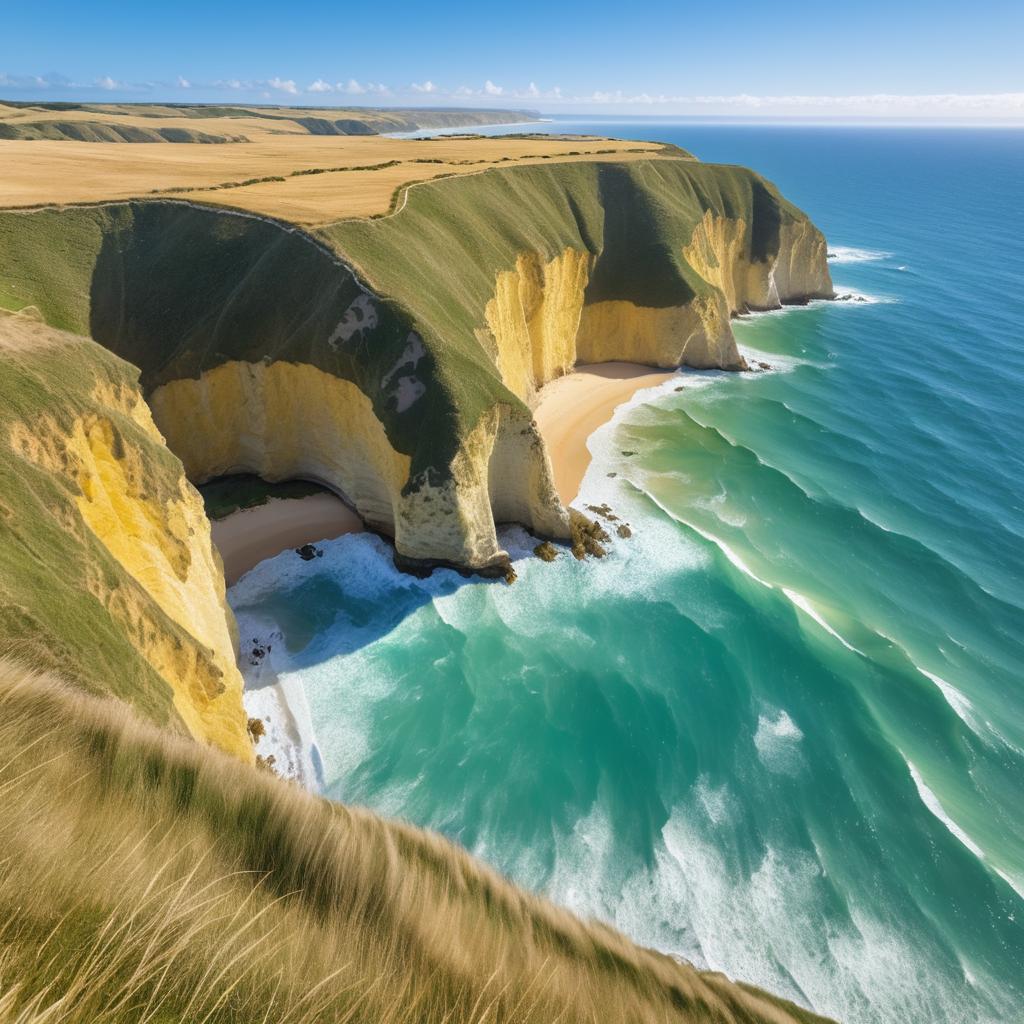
(58, 172)
(146, 879)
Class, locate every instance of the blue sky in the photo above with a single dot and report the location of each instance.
(942, 58)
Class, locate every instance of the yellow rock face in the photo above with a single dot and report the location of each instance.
(534, 318)
(696, 335)
(282, 421)
(538, 327)
(162, 543)
(287, 420)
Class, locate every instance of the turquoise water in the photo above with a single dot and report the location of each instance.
(781, 730)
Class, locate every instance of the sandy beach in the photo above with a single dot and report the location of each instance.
(253, 534)
(574, 406)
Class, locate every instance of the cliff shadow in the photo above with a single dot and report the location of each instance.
(347, 596)
(637, 263)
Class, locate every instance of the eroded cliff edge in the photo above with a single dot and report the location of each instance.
(395, 359)
(107, 572)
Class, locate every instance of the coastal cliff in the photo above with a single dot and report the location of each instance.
(108, 572)
(396, 359)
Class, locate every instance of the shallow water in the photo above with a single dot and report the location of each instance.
(780, 731)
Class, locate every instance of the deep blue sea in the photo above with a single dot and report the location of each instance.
(780, 731)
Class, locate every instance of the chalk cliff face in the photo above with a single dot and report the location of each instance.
(396, 360)
(105, 543)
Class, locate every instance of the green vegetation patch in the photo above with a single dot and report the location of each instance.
(229, 494)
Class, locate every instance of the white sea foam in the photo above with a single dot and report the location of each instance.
(769, 926)
(729, 554)
(959, 703)
(932, 802)
(805, 606)
(1016, 884)
(954, 698)
(777, 740)
(778, 363)
(851, 254)
(859, 298)
(278, 699)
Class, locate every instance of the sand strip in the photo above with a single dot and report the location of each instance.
(574, 406)
(253, 534)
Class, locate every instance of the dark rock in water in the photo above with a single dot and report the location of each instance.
(764, 366)
(830, 255)
(603, 510)
(624, 530)
(680, 389)
(258, 653)
(308, 552)
(613, 474)
(629, 454)
(510, 574)
(587, 535)
(546, 551)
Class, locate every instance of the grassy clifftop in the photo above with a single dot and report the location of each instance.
(147, 879)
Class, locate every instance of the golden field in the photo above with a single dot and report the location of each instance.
(348, 182)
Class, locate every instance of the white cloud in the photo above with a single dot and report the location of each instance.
(976, 107)
(284, 85)
(867, 105)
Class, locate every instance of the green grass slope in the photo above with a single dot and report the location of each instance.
(147, 879)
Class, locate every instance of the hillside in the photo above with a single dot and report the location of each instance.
(145, 878)
(163, 122)
(101, 131)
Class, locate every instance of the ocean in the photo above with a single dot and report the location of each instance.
(779, 731)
